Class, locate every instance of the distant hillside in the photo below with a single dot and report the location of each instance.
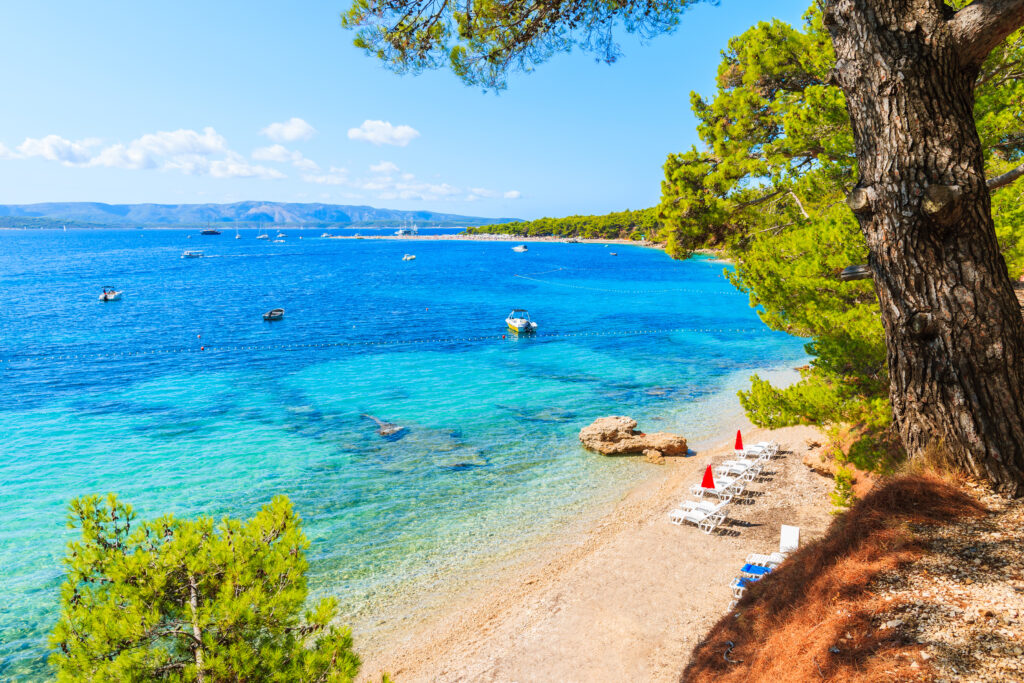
(240, 213)
(622, 224)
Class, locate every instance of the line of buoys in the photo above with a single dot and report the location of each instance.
(397, 342)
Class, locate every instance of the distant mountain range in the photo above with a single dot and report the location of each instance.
(96, 214)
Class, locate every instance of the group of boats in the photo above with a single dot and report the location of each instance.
(112, 294)
(518, 320)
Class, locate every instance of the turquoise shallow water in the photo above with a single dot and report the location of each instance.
(489, 457)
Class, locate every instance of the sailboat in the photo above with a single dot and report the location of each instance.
(237, 236)
(263, 234)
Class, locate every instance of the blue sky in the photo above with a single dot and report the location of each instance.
(127, 102)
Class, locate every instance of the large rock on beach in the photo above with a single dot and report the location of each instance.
(617, 435)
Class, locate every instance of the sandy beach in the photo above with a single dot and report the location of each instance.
(628, 599)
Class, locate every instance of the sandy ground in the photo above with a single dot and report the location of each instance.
(626, 602)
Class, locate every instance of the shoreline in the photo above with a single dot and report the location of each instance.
(625, 597)
(501, 237)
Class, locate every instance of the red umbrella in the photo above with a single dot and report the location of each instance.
(739, 441)
(709, 481)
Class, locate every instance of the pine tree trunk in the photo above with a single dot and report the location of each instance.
(953, 327)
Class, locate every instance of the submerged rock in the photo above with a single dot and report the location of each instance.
(617, 435)
(388, 430)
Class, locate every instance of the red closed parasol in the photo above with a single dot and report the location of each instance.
(739, 441)
(709, 480)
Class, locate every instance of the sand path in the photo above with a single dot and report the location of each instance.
(628, 601)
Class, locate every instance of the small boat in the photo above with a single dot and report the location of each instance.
(409, 257)
(278, 241)
(613, 253)
(263, 236)
(210, 231)
(521, 248)
(109, 294)
(237, 236)
(275, 314)
(519, 321)
(327, 234)
(191, 254)
(280, 234)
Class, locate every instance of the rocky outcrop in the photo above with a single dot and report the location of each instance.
(617, 435)
(654, 457)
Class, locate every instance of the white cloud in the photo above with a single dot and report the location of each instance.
(282, 154)
(289, 131)
(383, 133)
(187, 151)
(482, 192)
(385, 167)
(165, 149)
(6, 153)
(56, 148)
(236, 166)
(513, 194)
(336, 176)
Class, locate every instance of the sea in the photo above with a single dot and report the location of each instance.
(180, 398)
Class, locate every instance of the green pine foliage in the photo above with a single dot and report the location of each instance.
(769, 187)
(627, 224)
(843, 497)
(193, 600)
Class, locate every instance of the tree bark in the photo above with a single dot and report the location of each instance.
(954, 330)
(197, 634)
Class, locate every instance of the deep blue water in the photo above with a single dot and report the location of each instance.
(119, 396)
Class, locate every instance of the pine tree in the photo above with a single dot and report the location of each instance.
(193, 600)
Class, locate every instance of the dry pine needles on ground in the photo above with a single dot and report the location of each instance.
(814, 618)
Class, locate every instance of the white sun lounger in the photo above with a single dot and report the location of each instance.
(747, 469)
(769, 447)
(725, 490)
(773, 560)
(755, 453)
(739, 585)
(705, 517)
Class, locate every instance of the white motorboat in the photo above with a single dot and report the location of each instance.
(263, 236)
(521, 248)
(280, 234)
(192, 254)
(278, 241)
(327, 234)
(519, 321)
(110, 294)
(408, 230)
(409, 257)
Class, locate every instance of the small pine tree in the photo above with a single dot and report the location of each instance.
(843, 497)
(193, 600)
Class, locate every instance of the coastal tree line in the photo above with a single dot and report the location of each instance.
(627, 225)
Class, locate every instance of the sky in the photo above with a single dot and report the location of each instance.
(198, 101)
